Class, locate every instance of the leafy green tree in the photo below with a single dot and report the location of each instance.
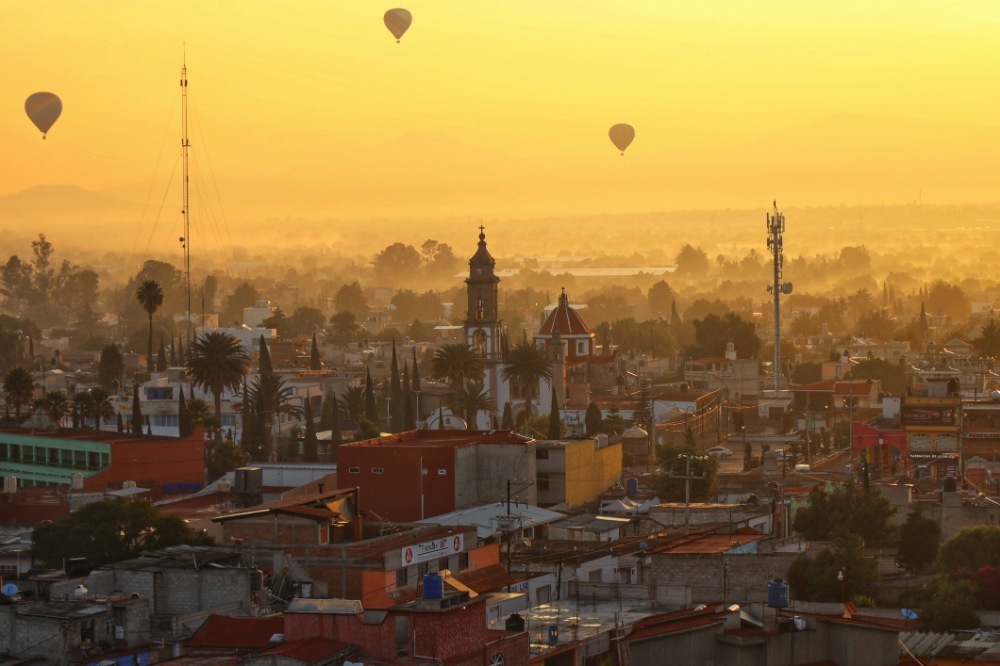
(350, 298)
(244, 296)
(946, 604)
(225, 457)
(306, 320)
(18, 387)
(526, 365)
(396, 263)
(613, 422)
(150, 297)
(216, 361)
(366, 430)
(659, 297)
(692, 262)
(892, 376)
(841, 573)
(807, 372)
(987, 582)
(713, 333)
(972, 548)
(919, 539)
(845, 510)
(110, 531)
(592, 421)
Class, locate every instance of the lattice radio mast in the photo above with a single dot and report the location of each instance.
(186, 208)
(775, 232)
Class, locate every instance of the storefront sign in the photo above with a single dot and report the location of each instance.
(432, 550)
(929, 415)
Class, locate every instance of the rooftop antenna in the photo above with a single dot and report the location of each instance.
(775, 233)
(185, 194)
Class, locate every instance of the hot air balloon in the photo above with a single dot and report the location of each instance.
(43, 108)
(397, 20)
(621, 135)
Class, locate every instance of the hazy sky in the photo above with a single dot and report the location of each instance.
(502, 108)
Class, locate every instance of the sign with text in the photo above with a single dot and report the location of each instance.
(432, 550)
(929, 415)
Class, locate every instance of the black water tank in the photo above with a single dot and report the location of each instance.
(515, 623)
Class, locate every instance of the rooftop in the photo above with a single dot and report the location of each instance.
(452, 439)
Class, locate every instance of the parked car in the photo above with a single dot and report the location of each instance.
(803, 467)
(720, 452)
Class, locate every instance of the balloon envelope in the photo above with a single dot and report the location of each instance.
(43, 108)
(621, 135)
(397, 20)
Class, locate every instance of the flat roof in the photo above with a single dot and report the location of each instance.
(451, 439)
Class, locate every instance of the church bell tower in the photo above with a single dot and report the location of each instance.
(482, 325)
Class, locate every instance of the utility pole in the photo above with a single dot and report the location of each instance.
(688, 477)
(186, 203)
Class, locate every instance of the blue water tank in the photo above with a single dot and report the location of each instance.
(632, 487)
(553, 634)
(777, 593)
(433, 586)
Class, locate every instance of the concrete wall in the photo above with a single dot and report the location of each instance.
(590, 470)
(498, 463)
(730, 578)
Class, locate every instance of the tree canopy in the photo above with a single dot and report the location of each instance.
(846, 510)
(110, 531)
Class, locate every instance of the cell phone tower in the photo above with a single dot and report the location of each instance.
(775, 233)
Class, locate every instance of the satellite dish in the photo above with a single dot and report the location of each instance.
(786, 288)
(908, 614)
(9, 589)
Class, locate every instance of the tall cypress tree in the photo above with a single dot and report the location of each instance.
(161, 358)
(121, 424)
(310, 444)
(183, 415)
(335, 439)
(416, 373)
(370, 411)
(325, 416)
(409, 414)
(136, 411)
(592, 420)
(315, 363)
(173, 353)
(264, 363)
(555, 432)
(507, 420)
(395, 394)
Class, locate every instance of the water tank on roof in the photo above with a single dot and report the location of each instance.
(433, 586)
(777, 593)
(632, 487)
(128, 485)
(225, 486)
(9, 485)
(514, 623)
(76, 481)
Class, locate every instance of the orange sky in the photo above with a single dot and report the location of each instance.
(490, 109)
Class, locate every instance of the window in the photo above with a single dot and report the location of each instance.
(543, 482)
(541, 454)
(400, 577)
(581, 347)
(443, 564)
(376, 470)
(423, 569)
(442, 472)
(354, 470)
(463, 561)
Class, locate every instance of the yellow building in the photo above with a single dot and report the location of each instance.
(573, 472)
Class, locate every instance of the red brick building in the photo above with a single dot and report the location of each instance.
(322, 541)
(451, 630)
(423, 473)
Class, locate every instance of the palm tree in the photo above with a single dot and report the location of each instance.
(216, 361)
(103, 409)
(199, 411)
(471, 399)
(456, 363)
(270, 397)
(55, 405)
(526, 365)
(83, 403)
(354, 402)
(18, 387)
(150, 297)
